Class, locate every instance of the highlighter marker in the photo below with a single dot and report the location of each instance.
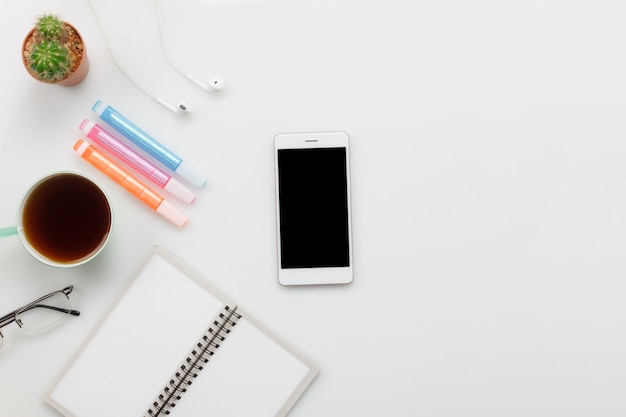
(117, 148)
(147, 143)
(129, 182)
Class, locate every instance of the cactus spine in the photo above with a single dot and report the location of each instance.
(50, 61)
(49, 58)
(50, 27)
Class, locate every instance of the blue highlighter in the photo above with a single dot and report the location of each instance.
(147, 143)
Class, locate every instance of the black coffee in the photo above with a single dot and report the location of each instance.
(66, 218)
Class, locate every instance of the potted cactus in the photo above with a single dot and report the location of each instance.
(53, 52)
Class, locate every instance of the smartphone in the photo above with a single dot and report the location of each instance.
(313, 208)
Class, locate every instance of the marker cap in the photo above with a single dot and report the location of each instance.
(190, 174)
(178, 190)
(171, 213)
(86, 126)
(98, 107)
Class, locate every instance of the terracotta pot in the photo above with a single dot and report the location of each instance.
(75, 77)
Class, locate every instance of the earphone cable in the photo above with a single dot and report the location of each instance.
(115, 60)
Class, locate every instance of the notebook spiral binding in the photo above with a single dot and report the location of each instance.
(195, 361)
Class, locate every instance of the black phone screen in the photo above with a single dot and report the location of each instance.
(313, 207)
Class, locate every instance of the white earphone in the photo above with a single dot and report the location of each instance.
(182, 108)
(214, 83)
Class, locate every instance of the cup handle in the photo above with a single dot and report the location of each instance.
(8, 231)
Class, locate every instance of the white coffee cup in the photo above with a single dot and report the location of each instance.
(64, 219)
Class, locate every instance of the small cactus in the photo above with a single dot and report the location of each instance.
(50, 27)
(53, 52)
(50, 60)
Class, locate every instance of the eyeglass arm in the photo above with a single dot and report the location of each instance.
(10, 318)
(7, 319)
(62, 310)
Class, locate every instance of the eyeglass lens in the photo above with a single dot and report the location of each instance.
(45, 313)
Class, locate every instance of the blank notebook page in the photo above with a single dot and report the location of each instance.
(148, 334)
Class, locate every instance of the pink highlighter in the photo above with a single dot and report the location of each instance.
(113, 145)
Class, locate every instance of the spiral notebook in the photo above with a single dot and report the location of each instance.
(172, 344)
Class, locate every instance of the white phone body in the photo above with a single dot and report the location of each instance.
(313, 208)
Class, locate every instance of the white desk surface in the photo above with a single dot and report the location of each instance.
(489, 192)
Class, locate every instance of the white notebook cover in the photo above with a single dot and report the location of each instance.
(149, 332)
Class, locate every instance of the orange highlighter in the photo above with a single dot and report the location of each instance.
(137, 188)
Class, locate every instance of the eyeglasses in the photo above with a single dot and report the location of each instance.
(41, 313)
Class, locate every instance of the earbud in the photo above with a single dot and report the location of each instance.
(214, 84)
(182, 109)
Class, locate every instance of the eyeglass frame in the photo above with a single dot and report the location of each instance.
(12, 316)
